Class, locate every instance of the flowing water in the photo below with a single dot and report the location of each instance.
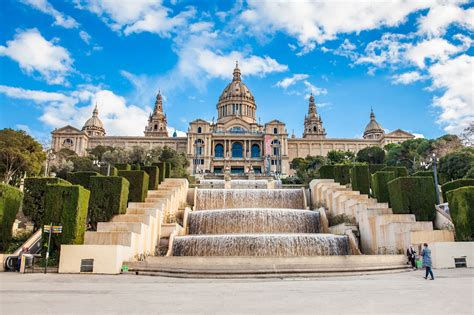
(209, 199)
(242, 221)
(261, 245)
(234, 184)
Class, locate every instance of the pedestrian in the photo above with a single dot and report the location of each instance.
(426, 254)
(411, 254)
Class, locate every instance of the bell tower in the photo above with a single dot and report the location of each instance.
(313, 124)
(157, 121)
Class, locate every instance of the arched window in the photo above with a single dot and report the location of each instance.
(199, 129)
(255, 153)
(199, 146)
(275, 130)
(314, 128)
(219, 151)
(237, 150)
(276, 147)
(156, 127)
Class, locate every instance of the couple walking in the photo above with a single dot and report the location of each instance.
(426, 255)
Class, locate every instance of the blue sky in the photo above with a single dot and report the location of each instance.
(409, 60)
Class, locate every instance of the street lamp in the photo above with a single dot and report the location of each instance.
(433, 161)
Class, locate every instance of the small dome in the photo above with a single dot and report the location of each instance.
(373, 125)
(94, 125)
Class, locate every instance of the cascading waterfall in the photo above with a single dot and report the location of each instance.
(261, 245)
(209, 199)
(255, 222)
(238, 221)
(234, 184)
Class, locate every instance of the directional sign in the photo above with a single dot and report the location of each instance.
(55, 229)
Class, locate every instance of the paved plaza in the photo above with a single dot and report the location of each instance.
(399, 293)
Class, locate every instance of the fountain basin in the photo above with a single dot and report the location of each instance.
(261, 245)
(242, 221)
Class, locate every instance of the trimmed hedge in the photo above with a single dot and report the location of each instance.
(374, 168)
(123, 166)
(415, 195)
(424, 173)
(135, 167)
(360, 178)
(81, 178)
(400, 171)
(168, 168)
(162, 173)
(35, 191)
(461, 209)
(10, 203)
(66, 205)
(326, 172)
(109, 196)
(455, 184)
(379, 184)
(153, 173)
(113, 170)
(342, 174)
(138, 184)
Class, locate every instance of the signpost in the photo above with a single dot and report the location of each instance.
(50, 229)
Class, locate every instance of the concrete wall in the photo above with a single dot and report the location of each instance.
(443, 253)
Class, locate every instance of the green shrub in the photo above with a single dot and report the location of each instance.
(326, 172)
(10, 203)
(461, 209)
(35, 191)
(66, 205)
(81, 178)
(103, 170)
(423, 173)
(168, 168)
(342, 174)
(379, 184)
(123, 166)
(162, 173)
(415, 195)
(153, 173)
(455, 184)
(374, 168)
(138, 184)
(135, 167)
(109, 196)
(400, 171)
(360, 178)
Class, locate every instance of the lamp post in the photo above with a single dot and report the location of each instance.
(433, 163)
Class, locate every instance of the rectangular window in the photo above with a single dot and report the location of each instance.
(87, 265)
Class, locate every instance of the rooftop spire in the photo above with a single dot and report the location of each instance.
(236, 72)
(372, 115)
(95, 112)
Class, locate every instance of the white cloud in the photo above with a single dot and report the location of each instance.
(59, 18)
(36, 96)
(455, 79)
(434, 50)
(36, 54)
(138, 15)
(408, 77)
(289, 81)
(179, 133)
(388, 50)
(222, 65)
(440, 17)
(310, 88)
(314, 22)
(85, 37)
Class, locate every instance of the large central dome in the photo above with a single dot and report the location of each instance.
(236, 101)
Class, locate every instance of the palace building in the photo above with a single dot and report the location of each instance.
(235, 142)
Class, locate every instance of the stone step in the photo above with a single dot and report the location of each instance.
(143, 218)
(109, 238)
(136, 227)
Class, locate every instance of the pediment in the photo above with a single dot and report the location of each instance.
(236, 122)
(399, 134)
(199, 121)
(274, 122)
(67, 129)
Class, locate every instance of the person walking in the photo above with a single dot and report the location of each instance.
(426, 254)
(411, 254)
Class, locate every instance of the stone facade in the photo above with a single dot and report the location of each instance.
(236, 141)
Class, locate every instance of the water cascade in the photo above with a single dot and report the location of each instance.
(209, 199)
(238, 221)
(234, 184)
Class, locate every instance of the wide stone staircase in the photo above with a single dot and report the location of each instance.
(381, 231)
(127, 237)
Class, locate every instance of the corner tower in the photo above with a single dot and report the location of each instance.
(157, 121)
(313, 124)
(236, 101)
